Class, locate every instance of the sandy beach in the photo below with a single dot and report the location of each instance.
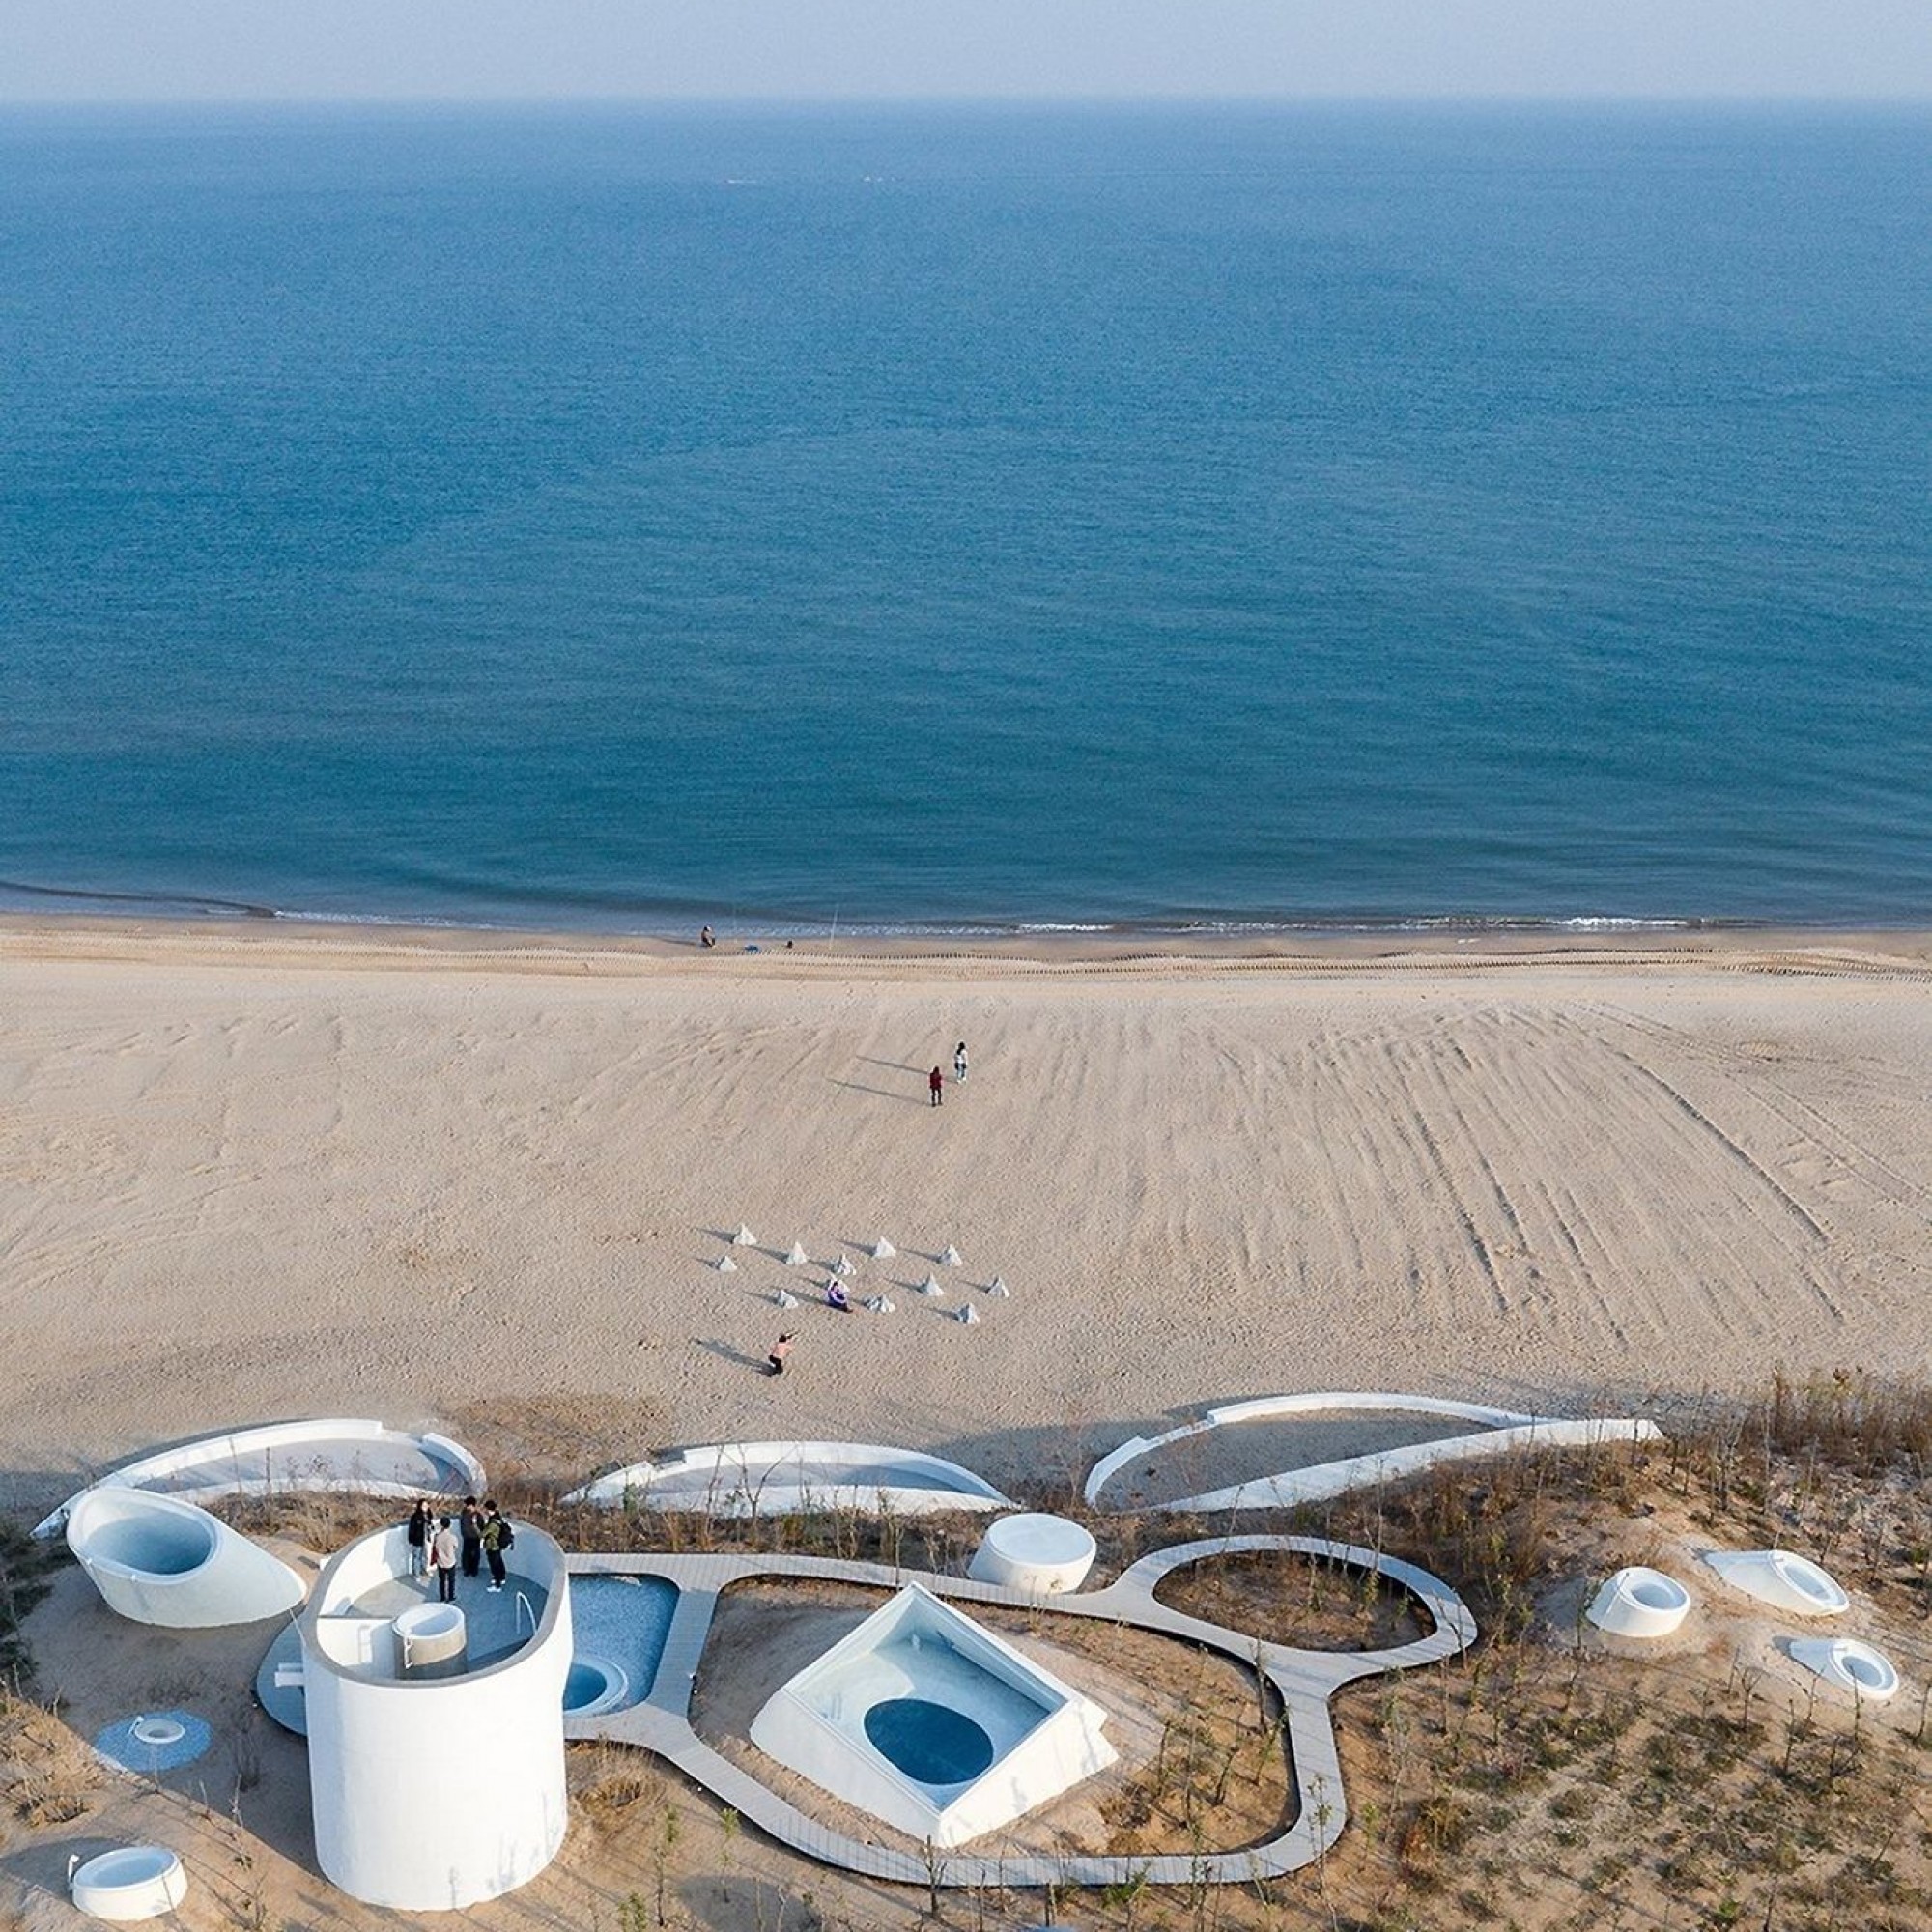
(479, 1180)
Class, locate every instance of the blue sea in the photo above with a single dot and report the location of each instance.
(968, 518)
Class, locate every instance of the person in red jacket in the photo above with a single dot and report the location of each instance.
(936, 1082)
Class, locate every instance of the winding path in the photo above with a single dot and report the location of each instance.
(1304, 1680)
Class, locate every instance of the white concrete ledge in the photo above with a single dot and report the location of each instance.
(351, 1455)
(751, 1479)
(1500, 1432)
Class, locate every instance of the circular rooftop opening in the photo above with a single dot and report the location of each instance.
(155, 1545)
(932, 1743)
(594, 1685)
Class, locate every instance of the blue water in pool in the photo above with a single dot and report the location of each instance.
(969, 516)
(932, 1742)
(620, 1620)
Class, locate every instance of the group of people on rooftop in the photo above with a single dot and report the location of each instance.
(480, 1533)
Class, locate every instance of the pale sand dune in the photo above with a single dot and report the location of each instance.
(246, 1173)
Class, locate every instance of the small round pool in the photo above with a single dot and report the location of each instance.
(932, 1744)
(594, 1685)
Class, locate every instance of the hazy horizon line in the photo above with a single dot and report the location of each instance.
(1005, 100)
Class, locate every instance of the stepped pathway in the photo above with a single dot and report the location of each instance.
(1304, 1680)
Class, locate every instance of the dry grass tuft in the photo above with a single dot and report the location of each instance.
(49, 1776)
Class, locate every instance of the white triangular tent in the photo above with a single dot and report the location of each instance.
(841, 1266)
(724, 1264)
(744, 1237)
(786, 1298)
(931, 1286)
(798, 1256)
(881, 1305)
(883, 1250)
(951, 1259)
(968, 1315)
(997, 1288)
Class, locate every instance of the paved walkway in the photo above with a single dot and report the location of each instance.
(1304, 1680)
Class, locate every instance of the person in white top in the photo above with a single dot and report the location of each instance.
(959, 1061)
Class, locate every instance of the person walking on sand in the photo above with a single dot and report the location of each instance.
(935, 1082)
(443, 1548)
(497, 1537)
(471, 1523)
(774, 1362)
(419, 1529)
(959, 1063)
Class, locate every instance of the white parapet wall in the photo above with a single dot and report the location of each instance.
(158, 1560)
(433, 1793)
(749, 1479)
(1498, 1431)
(357, 1454)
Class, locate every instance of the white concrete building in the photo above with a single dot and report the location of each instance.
(436, 1742)
(158, 1560)
(931, 1722)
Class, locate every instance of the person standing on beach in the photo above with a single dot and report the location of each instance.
(774, 1362)
(959, 1063)
(418, 1531)
(444, 1546)
(497, 1537)
(935, 1082)
(473, 1537)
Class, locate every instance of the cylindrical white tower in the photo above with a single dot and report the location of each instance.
(434, 1792)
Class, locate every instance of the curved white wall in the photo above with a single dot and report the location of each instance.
(785, 1478)
(157, 1560)
(211, 1465)
(1500, 1432)
(434, 1794)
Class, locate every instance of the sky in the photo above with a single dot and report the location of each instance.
(312, 50)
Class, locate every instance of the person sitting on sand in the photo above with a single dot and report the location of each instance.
(837, 1297)
(707, 938)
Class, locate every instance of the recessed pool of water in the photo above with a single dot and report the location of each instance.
(618, 1626)
(932, 1744)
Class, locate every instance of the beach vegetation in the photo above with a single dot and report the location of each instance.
(1544, 1780)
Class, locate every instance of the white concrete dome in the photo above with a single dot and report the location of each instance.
(1639, 1603)
(1043, 1555)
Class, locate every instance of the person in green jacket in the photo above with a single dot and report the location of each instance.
(497, 1537)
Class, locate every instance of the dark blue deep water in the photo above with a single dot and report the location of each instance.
(961, 516)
